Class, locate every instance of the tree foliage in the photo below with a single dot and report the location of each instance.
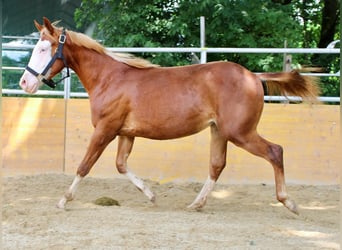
(175, 23)
(229, 23)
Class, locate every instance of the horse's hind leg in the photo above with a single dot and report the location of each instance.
(125, 145)
(218, 150)
(273, 153)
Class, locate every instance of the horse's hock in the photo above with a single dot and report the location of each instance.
(51, 135)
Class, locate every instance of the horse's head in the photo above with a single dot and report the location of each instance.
(47, 58)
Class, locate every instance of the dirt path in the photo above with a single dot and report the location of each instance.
(236, 216)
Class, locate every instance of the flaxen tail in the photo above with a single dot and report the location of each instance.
(291, 84)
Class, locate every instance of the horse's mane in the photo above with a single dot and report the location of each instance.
(129, 59)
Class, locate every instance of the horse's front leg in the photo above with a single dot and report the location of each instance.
(125, 145)
(98, 143)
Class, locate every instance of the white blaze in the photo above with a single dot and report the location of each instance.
(41, 56)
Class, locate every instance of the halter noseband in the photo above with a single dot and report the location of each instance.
(58, 55)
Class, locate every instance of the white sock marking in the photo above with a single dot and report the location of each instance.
(69, 195)
(203, 194)
(140, 185)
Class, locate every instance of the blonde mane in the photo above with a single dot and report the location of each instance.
(129, 59)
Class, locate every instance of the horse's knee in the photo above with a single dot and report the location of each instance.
(275, 155)
(83, 170)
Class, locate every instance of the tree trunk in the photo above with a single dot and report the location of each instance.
(329, 21)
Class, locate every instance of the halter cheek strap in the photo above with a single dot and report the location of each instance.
(58, 55)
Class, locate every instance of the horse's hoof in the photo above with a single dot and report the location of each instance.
(61, 203)
(292, 206)
(153, 199)
(195, 206)
(60, 206)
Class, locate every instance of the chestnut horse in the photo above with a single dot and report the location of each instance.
(132, 97)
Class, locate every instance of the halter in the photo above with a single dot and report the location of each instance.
(58, 55)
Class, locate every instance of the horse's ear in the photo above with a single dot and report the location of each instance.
(38, 26)
(48, 25)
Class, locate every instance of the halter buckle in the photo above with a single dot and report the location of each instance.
(62, 38)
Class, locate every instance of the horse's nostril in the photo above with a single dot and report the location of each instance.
(23, 83)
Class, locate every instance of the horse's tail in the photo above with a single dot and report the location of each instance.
(291, 84)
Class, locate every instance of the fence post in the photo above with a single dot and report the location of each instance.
(67, 90)
(202, 38)
(287, 60)
(67, 85)
(287, 64)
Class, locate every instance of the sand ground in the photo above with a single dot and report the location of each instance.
(235, 217)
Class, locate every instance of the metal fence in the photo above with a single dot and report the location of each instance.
(67, 93)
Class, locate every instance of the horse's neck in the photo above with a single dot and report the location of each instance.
(90, 67)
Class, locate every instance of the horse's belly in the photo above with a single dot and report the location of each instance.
(165, 129)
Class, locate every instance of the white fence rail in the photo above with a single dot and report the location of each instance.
(203, 52)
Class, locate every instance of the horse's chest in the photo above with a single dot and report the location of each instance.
(112, 112)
